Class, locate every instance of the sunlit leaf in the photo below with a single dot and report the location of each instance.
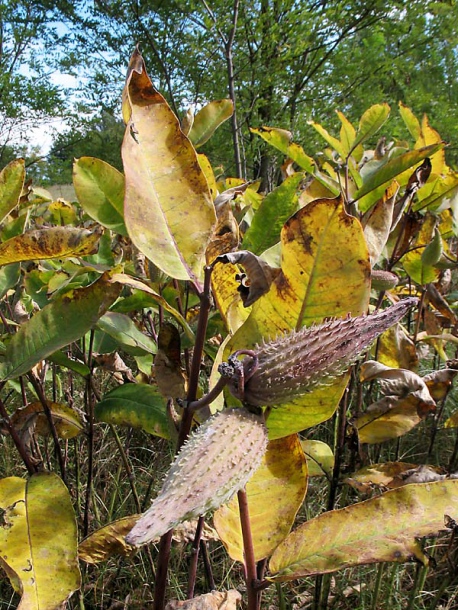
(388, 418)
(168, 207)
(370, 122)
(376, 181)
(38, 540)
(67, 318)
(136, 405)
(385, 528)
(385, 476)
(410, 120)
(127, 280)
(325, 273)
(319, 456)
(396, 350)
(108, 541)
(56, 242)
(275, 493)
(100, 191)
(282, 141)
(208, 119)
(11, 183)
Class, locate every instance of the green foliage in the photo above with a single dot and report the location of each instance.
(120, 333)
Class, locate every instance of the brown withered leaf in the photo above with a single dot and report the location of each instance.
(257, 278)
(438, 302)
(379, 476)
(396, 382)
(377, 222)
(32, 418)
(168, 372)
(216, 600)
(391, 475)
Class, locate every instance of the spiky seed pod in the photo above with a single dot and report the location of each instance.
(292, 365)
(215, 462)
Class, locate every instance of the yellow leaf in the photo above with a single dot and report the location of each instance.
(108, 541)
(396, 349)
(384, 528)
(325, 273)
(38, 541)
(56, 242)
(168, 208)
(319, 456)
(388, 418)
(275, 493)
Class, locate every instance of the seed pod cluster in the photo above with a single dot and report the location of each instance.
(215, 462)
(296, 363)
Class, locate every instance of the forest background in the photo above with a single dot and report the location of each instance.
(284, 63)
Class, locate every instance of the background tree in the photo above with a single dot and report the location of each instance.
(283, 62)
(33, 38)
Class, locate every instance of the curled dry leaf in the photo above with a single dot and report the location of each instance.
(396, 382)
(392, 475)
(214, 463)
(257, 278)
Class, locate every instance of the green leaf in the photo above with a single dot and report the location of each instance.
(136, 405)
(38, 540)
(384, 528)
(370, 123)
(281, 140)
(11, 183)
(100, 191)
(121, 328)
(208, 119)
(62, 360)
(56, 242)
(410, 120)
(376, 181)
(64, 320)
(331, 140)
(168, 207)
(9, 276)
(273, 212)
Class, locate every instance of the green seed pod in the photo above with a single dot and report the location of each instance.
(383, 280)
(433, 251)
(215, 462)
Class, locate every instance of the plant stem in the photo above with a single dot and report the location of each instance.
(250, 563)
(39, 390)
(195, 557)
